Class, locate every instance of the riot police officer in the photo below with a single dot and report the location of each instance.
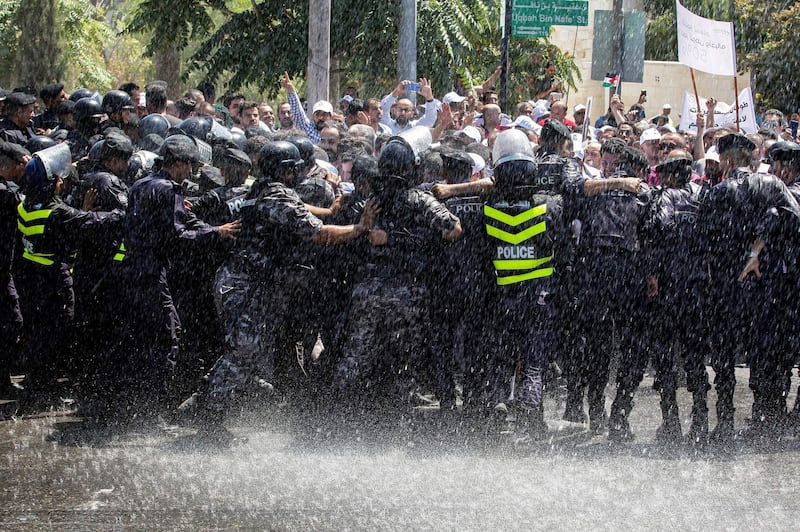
(88, 113)
(677, 281)
(51, 231)
(612, 285)
(157, 227)
(13, 159)
(96, 290)
(384, 347)
(745, 214)
(268, 291)
(117, 106)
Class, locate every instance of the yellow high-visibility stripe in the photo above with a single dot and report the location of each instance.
(536, 274)
(514, 221)
(518, 238)
(521, 264)
(120, 255)
(33, 215)
(40, 258)
(32, 230)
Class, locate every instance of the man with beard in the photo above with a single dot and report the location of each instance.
(405, 108)
(320, 113)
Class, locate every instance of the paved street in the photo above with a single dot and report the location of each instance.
(300, 473)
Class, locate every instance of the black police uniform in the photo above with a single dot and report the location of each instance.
(384, 342)
(612, 281)
(456, 311)
(157, 227)
(678, 262)
(265, 293)
(744, 207)
(51, 233)
(97, 292)
(10, 314)
(11, 132)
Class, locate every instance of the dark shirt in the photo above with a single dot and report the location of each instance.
(10, 132)
(157, 224)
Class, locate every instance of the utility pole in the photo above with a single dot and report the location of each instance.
(617, 43)
(504, 61)
(319, 51)
(407, 41)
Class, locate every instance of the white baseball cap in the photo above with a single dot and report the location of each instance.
(323, 106)
(648, 135)
(453, 97)
(478, 163)
(472, 132)
(666, 106)
(578, 108)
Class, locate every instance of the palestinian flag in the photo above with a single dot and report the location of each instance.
(611, 81)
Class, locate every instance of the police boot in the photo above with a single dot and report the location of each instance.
(669, 433)
(698, 431)
(793, 418)
(722, 435)
(530, 424)
(595, 394)
(618, 428)
(574, 409)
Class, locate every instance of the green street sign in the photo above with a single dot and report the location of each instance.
(530, 31)
(532, 18)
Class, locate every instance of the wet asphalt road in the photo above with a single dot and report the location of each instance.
(299, 472)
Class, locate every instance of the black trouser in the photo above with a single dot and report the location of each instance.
(47, 302)
(612, 295)
(10, 328)
(680, 314)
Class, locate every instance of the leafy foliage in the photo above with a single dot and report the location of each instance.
(87, 52)
(457, 40)
(765, 34)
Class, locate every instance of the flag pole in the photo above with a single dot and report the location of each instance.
(694, 86)
(736, 91)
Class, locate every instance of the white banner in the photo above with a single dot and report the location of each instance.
(724, 113)
(704, 44)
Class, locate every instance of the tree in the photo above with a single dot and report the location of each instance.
(457, 39)
(765, 34)
(77, 45)
(37, 59)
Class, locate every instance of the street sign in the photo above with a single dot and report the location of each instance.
(530, 31)
(532, 18)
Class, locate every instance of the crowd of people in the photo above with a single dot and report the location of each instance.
(175, 258)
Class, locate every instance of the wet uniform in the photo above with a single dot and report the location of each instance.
(157, 227)
(266, 293)
(10, 314)
(612, 281)
(96, 290)
(744, 207)
(677, 260)
(385, 341)
(51, 233)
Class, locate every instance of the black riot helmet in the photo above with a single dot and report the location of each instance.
(306, 149)
(39, 142)
(86, 110)
(81, 93)
(116, 100)
(279, 160)
(153, 124)
(205, 128)
(680, 167)
(402, 155)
